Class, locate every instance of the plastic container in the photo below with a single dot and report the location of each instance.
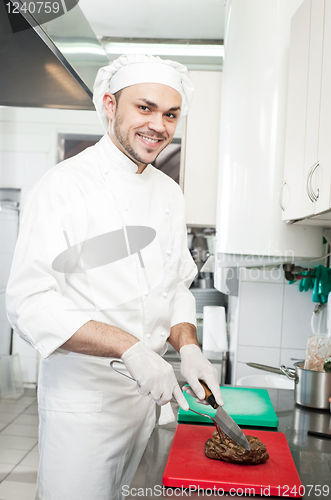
(277, 381)
(11, 385)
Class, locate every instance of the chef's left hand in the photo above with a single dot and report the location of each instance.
(195, 366)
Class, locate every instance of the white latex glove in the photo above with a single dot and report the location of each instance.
(155, 377)
(194, 366)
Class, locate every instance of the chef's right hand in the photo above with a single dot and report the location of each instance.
(155, 377)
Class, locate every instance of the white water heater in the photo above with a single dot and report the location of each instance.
(250, 230)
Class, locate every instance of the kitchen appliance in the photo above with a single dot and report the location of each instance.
(188, 467)
(247, 406)
(249, 226)
(57, 57)
(214, 336)
(200, 254)
(206, 297)
(312, 388)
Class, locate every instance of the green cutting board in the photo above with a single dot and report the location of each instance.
(245, 406)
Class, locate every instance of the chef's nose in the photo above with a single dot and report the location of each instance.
(157, 122)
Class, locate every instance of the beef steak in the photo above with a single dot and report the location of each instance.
(229, 451)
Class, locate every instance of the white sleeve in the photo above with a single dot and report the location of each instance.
(36, 304)
(183, 306)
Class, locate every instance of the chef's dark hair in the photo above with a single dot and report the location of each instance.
(117, 96)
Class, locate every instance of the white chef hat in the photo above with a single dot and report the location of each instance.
(132, 69)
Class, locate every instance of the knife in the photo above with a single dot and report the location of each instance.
(226, 423)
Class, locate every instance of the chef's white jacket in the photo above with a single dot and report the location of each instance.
(93, 423)
(91, 194)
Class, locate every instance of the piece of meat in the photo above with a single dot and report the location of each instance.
(229, 451)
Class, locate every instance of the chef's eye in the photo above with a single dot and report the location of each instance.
(171, 115)
(144, 108)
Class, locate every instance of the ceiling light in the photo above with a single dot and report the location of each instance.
(159, 49)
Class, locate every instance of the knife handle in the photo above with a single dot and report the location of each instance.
(209, 395)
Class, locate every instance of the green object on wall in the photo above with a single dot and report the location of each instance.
(319, 280)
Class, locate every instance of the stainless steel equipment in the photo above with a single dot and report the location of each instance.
(208, 297)
(312, 388)
(49, 65)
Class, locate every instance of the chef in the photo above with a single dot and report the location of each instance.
(101, 271)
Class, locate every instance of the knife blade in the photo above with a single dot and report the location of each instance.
(223, 419)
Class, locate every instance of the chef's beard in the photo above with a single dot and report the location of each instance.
(124, 141)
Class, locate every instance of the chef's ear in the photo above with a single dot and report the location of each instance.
(109, 102)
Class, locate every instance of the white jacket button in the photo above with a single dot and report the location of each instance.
(148, 335)
(163, 333)
(125, 207)
(166, 210)
(169, 251)
(165, 294)
(105, 170)
(145, 293)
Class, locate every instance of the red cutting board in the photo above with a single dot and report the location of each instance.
(188, 466)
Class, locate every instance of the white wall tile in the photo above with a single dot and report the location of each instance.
(260, 314)
(25, 142)
(290, 356)
(21, 168)
(298, 309)
(35, 166)
(262, 275)
(12, 169)
(262, 355)
(41, 118)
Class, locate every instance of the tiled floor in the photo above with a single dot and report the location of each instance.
(19, 447)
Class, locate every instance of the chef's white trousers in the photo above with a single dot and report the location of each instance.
(93, 429)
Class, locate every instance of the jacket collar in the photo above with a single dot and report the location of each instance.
(118, 159)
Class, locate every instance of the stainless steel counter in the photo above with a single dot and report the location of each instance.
(312, 455)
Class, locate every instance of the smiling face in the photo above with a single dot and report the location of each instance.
(143, 121)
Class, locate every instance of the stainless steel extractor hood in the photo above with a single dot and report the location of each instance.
(50, 65)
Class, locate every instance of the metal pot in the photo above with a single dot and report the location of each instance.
(312, 389)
